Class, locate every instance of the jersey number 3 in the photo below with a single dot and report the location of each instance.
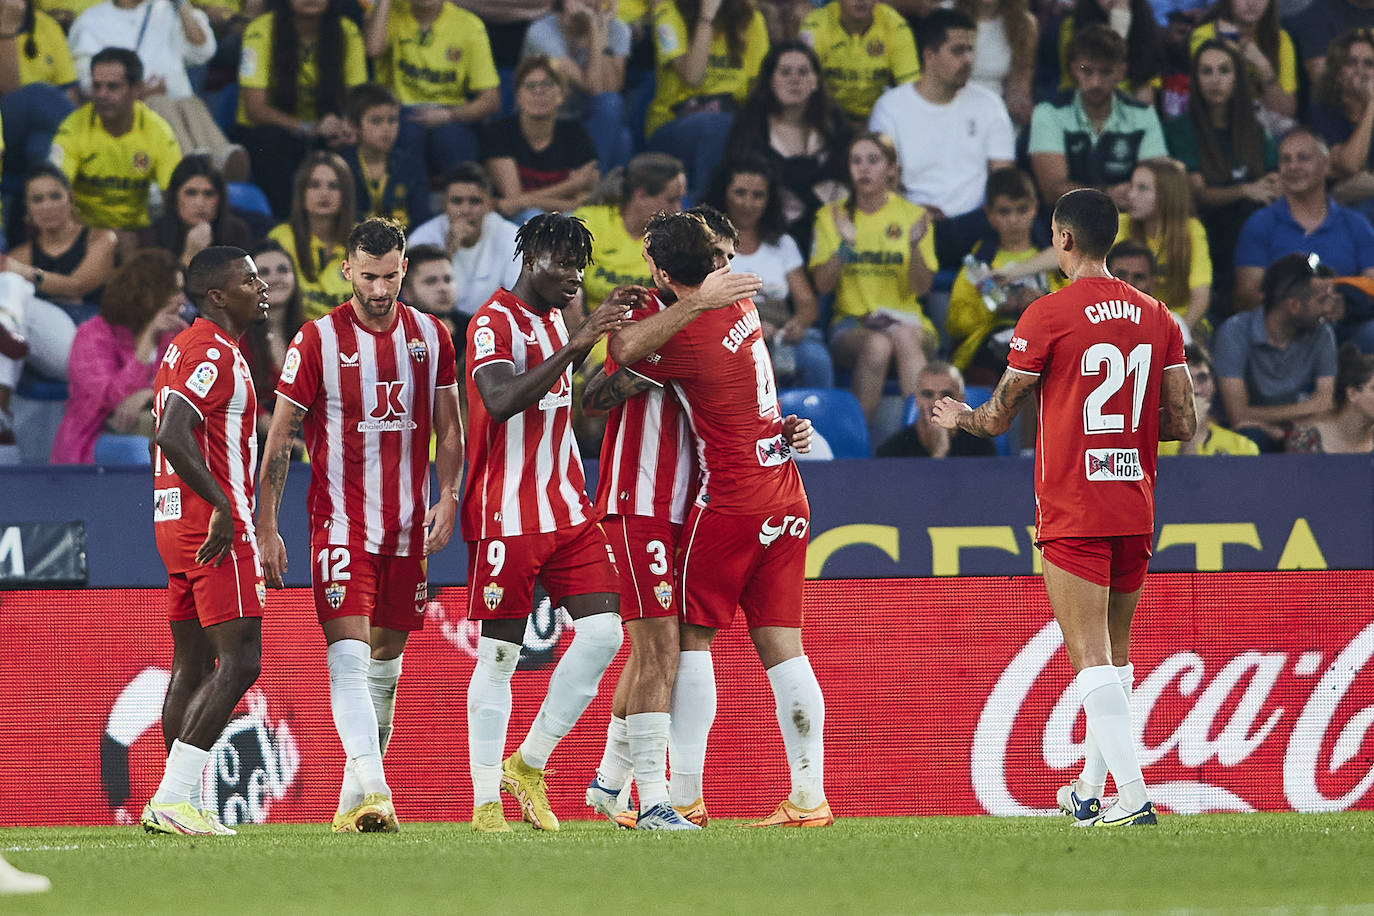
(1105, 357)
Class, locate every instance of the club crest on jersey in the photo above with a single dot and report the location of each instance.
(202, 379)
(1113, 464)
(262, 591)
(664, 593)
(484, 343)
(772, 452)
(875, 48)
(492, 595)
(334, 594)
(141, 161)
(894, 231)
(291, 365)
(418, 351)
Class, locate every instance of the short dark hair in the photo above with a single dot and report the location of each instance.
(1009, 182)
(1126, 248)
(129, 60)
(1098, 42)
(543, 62)
(376, 236)
(1196, 352)
(469, 173)
(1092, 217)
(933, 31)
(1354, 369)
(556, 234)
(365, 96)
(716, 221)
(209, 270)
(681, 246)
(423, 254)
(1291, 275)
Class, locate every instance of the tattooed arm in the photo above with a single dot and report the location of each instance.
(1177, 409)
(276, 461)
(994, 417)
(604, 392)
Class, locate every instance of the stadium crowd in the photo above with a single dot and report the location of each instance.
(888, 167)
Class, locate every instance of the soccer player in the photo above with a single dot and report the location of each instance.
(744, 542)
(369, 382)
(526, 513)
(1109, 363)
(205, 408)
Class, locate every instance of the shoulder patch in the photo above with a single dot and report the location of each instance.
(291, 365)
(202, 379)
(484, 343)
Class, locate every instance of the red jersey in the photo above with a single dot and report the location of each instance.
(1100, 348)
(720, 369)
(647, 467)
(370, 397)
(204, 368)
(524, 475)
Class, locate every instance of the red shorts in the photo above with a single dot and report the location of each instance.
(215, 594)
(754, 562)
(1120, 562)
(644, 550)
(569, 561)
(348, 581)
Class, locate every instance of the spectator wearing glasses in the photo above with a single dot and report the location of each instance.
(1277, 365)
(1211, 438)
(925, 439)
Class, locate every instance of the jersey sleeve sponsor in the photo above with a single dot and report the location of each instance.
(302, 373)
(488, 340)
(1030, 342)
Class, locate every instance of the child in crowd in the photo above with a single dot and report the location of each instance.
(389, 181)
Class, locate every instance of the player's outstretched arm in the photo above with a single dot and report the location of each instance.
(604, 391)
(177, 441)
(276, 461)
(506, 393)
(1177, 410)
(448, 463)
(720, 288)
(993, 417)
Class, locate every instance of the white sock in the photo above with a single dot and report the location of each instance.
(488, 716)
(616, 766)
(693, 710)
(354, 717)
(801, 716)
(381, 686)
(1092, 782)
(648, 733)
(1109, 723)
(181, 776)
(573, 685)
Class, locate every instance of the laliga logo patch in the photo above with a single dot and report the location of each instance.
(334, 594)
(664, 593)
(484, 343)
(291, 365)
(202, 379)
(418, 351)
(492, 595)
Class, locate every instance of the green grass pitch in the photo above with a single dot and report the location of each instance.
(1270, 863)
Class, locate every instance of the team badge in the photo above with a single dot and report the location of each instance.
(202, 379)
(491, 596)
(141, 161)
(454, 54)
(291, 365)
(418, 351)
(262, 592)
(334, 594)
(875, 48)
(664, 593)
(894, 231)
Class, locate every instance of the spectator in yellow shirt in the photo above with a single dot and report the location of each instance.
(865, 48)
(877, 253)
(114, 147)
(1212, 438)
(436, 57)
(298, 63)
(1159, 216)
(707, 54)
(64, 12)
(37, 83)
(322, 215)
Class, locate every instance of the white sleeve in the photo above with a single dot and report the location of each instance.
(789, 254)
(195, 55)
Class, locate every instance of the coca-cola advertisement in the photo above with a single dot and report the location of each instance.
(1253, 692)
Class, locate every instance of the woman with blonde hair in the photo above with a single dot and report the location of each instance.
(1159, 215)
(323, 211)
(1004, 52)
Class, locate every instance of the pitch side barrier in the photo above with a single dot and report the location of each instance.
(874, 519)
(1254, 691)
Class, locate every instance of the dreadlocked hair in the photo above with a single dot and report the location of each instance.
(555, 234)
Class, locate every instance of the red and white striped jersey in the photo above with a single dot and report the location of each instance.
(204, 367)
(370, 397)
(647, 467)
(524, 475)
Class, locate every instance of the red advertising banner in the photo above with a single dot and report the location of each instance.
(1254, 691)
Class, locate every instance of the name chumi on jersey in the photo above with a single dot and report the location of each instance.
(1112, 308)
(740, 331)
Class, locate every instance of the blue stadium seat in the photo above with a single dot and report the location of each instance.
(248, 198)
(224, 106)
(973, 396)
(126, 450)
(835, 413)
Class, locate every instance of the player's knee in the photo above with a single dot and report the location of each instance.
(601, 634)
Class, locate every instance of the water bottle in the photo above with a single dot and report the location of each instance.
(784, 359)
(980, 275)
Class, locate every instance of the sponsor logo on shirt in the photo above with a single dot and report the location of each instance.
(484, 343)
(421, 597)
(1019, 344)
(773, 452)
(664, 593)
(334, 594)
(1113, 464)
(792, 526)
(348, 360)
(491, 596)
(291, 365)
(167, 504)
(202, 379)
(560, 396)
(389, 413)
(739, 332)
